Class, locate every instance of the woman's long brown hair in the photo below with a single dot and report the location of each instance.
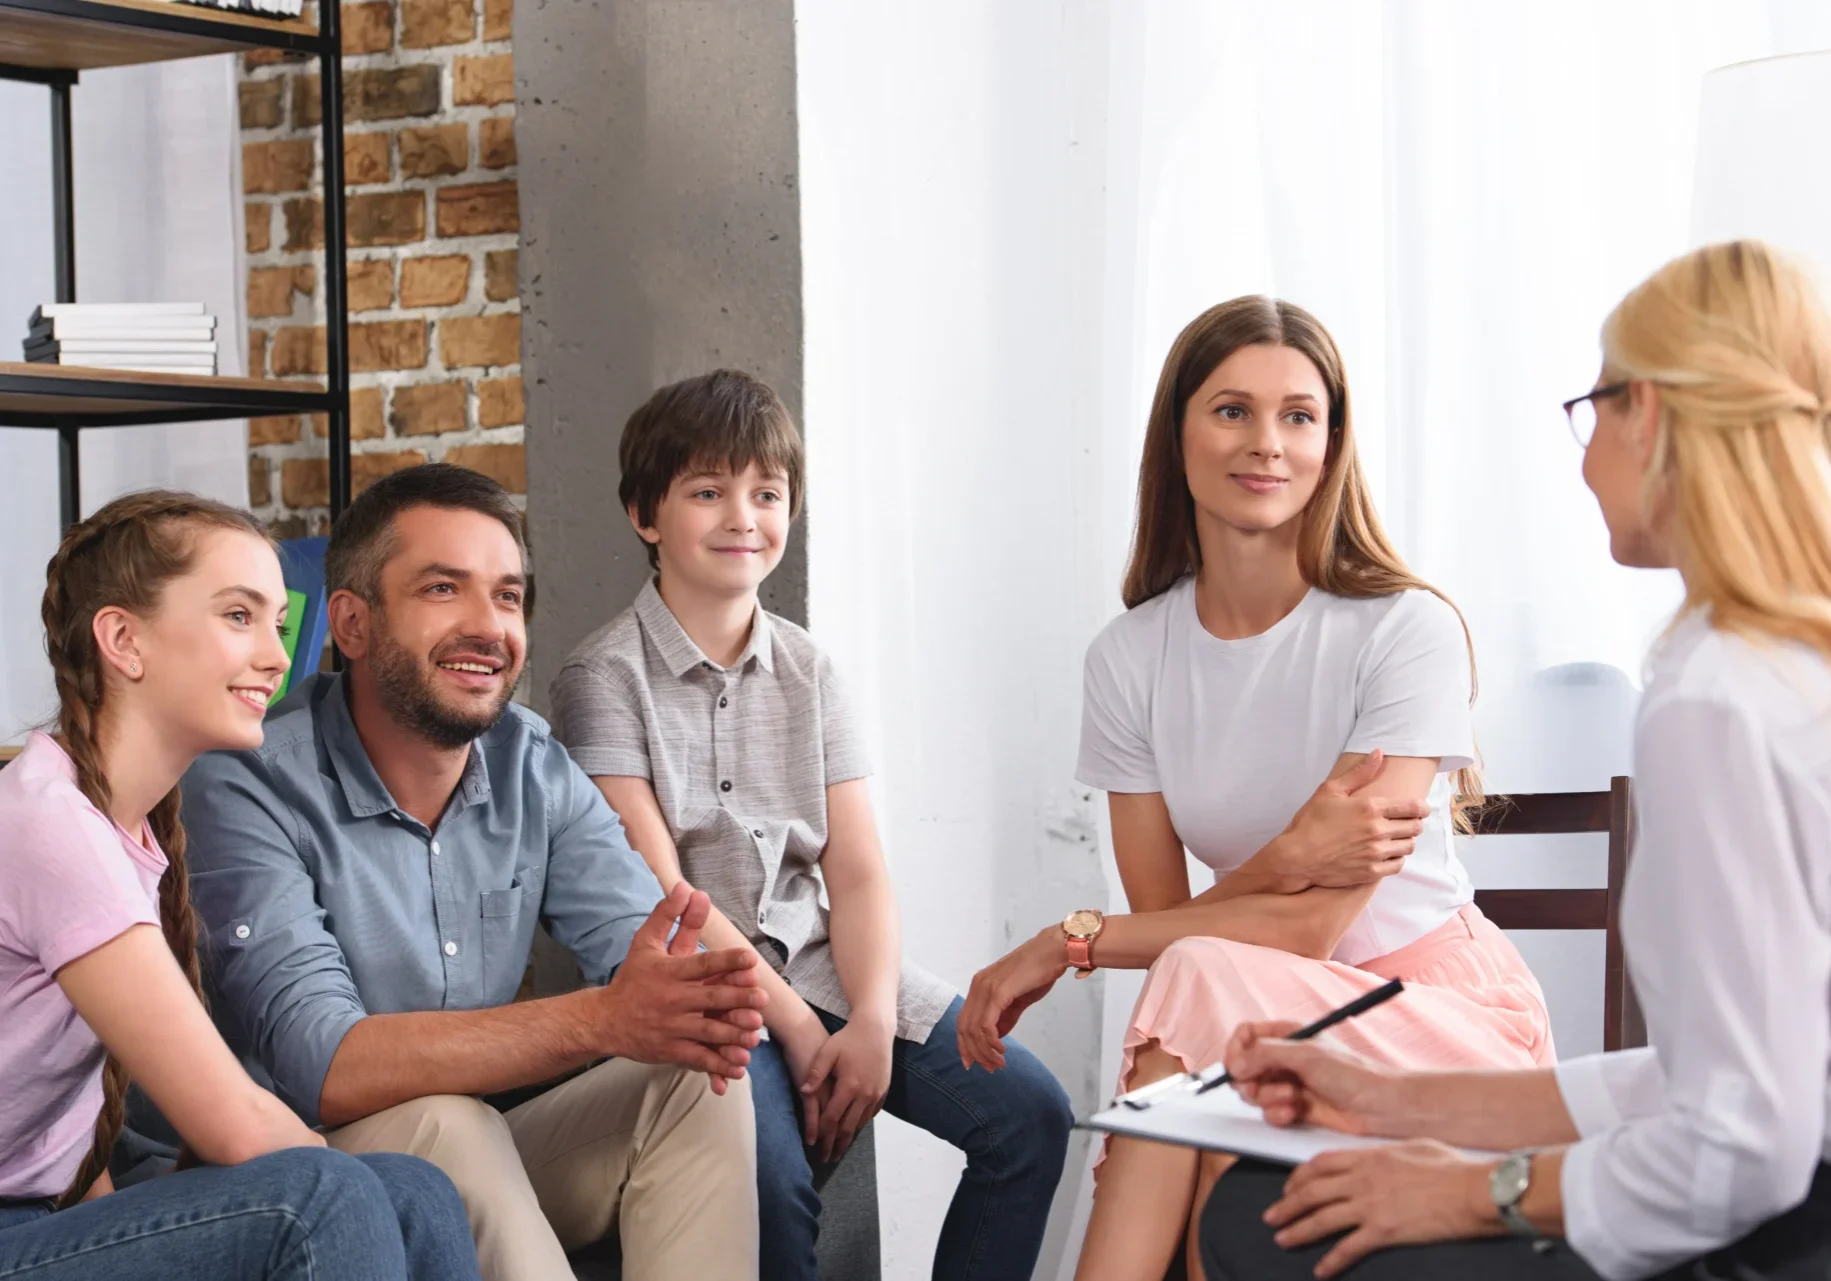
(123, 556)
(1342, 548)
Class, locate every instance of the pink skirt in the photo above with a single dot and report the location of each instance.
(1469, 1000)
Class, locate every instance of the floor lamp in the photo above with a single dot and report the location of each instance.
(1760, 171)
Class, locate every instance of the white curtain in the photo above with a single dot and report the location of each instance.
(1009, 212)
(159, 218)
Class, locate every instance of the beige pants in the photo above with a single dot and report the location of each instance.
(651, 1151)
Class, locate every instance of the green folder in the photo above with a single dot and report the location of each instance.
(289, 637)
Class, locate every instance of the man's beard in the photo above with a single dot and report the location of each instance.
(410, 700)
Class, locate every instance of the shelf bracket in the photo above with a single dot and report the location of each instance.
(37, 75)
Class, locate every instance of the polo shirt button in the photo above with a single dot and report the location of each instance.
(757, 832)
(725, 786)
(451, 949)
(435, 847)
(762, 917)
(724, 702)
(242, 931)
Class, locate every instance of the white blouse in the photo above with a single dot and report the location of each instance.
(1726, 920)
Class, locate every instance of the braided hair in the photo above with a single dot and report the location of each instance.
(123, 556)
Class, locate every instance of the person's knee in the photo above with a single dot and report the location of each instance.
(1043, 1118)
(453, 1125)
(1025, 1133)
(415, 1185)
(728, 1119)
(1234, 1238)
(335, 1210)
(321, 1185)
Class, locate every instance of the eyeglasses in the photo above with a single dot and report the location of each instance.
(1581, 411)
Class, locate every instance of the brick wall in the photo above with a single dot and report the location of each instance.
(435, 324)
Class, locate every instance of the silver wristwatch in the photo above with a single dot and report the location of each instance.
(1507, 1185)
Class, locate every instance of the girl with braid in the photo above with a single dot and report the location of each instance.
(161, 618)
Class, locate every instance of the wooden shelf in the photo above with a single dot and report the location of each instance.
(80, 35)
(8, 752)
(71, 396)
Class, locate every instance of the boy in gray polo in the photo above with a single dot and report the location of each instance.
(723, 738)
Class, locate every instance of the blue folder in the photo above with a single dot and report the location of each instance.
(308, 619)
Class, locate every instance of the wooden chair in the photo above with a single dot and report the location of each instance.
(1547, 813)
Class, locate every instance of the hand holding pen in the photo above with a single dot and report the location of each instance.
(1213, 1077)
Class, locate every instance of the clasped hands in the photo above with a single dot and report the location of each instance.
(669, 1002)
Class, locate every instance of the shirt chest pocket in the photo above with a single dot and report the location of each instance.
(508, 927)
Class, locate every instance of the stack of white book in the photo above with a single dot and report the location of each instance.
(150, 337)
(278, 8)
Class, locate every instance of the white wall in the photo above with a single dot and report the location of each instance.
(158, 218)
(966, 518)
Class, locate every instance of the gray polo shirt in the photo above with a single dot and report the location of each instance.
(740, 759)
(319, 901)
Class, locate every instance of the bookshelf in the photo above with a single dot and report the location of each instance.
(51, 42)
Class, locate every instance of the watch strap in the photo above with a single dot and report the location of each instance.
(1508, 1187)
(1516, 1222)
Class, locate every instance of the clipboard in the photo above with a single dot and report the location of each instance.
(1219, 1120)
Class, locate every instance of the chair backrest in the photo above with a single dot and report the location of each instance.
(1556, 813)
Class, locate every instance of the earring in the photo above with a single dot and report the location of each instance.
(133, 669)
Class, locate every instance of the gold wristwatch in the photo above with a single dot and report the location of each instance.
(1081, 929)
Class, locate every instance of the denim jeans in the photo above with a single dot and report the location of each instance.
(302, 1214)
(1013, 1126)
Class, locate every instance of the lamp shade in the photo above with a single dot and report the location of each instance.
(1760, 156)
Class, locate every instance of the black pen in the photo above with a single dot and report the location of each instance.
(1139, 1099)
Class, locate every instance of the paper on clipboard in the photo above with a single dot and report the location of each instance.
(1222, 1121)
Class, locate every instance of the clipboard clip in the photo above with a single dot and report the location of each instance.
(1145, 1096)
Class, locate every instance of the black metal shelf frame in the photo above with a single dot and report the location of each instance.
(193, 403)
(177, 402)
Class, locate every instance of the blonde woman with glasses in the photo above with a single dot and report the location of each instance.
(1705, 1155)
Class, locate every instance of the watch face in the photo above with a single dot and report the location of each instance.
(1508, 1182)
(1083, 924)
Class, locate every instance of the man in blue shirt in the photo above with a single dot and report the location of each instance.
(370, 880)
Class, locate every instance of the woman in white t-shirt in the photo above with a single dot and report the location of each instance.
(1289, 703)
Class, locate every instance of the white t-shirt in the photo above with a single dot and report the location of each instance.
(1238, 734)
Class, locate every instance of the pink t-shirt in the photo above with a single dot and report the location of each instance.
(70, 881)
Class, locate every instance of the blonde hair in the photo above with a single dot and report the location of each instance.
(1739, 345)
(1342, 548)
(123, 556)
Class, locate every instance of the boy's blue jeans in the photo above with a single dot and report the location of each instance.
(302, 1214)
(1013, 1126)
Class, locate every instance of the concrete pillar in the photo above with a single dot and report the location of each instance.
(660, 238)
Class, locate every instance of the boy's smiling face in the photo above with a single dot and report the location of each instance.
(720, 531)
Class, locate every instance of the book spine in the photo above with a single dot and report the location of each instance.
(126, 327)
(116, 310)
(128, 347)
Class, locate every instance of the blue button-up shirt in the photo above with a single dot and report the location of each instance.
(320, 901)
